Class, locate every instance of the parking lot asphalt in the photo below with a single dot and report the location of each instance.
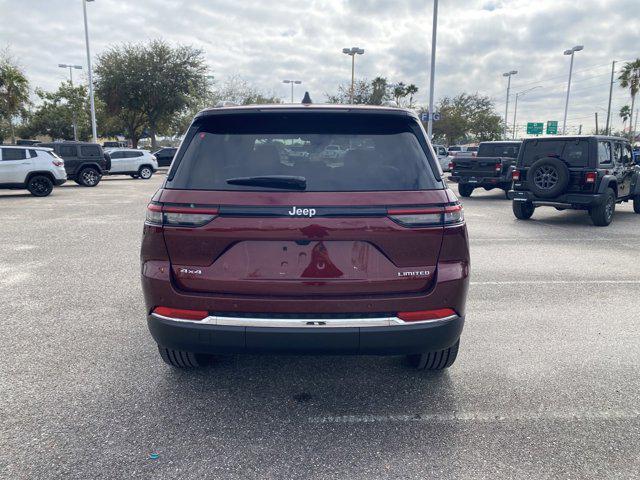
(546, 383)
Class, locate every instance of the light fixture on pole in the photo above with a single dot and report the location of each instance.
(71, 68)
(94, 129)
(292, 82)
(353, 51)
(515, 108)
(571, 52)
(433, 68)
(506, 109)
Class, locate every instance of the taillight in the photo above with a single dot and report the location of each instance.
(516, 175)
(181, 314)
(427, 216)
(179, 215)
(474, 154)
(58, 162)
(590, 177)
(498, 167)
(423, 315)
(452, 165)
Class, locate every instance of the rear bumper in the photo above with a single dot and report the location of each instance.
(480, 181)
(568, 200)
(59, 181)
(208, 338)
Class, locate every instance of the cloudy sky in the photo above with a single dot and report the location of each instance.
(267, 41)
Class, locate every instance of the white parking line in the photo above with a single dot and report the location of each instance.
(560, 282)
(481, 417)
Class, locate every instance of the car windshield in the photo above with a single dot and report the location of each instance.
(329, 151)
(575, 152)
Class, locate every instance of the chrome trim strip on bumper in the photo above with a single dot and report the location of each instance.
(305, 322)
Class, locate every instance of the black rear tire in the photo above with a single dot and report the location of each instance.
(40, 186)
(89, 177)
(438, 360)
(636, 204)
(465, 190)
(178, 358)
(602, 215)
(523, 210)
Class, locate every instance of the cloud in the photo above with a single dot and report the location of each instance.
(266, 41)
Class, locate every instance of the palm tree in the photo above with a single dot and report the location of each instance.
(399, 91)
(411, 91)
(630, 78)
(14, 93)
(625, 112)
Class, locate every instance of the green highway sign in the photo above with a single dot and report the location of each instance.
(552, 127)
(535, 128)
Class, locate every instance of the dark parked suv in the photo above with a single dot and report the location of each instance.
(590, 173)
(250, 248)
(84, 162)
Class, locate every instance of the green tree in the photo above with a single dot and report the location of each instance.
(467, 117)
(379, 91)
(630, 78)
(411, 91)
(149, 84)
(399, 92)
(55, 112)
(14, 93)
(625, 113)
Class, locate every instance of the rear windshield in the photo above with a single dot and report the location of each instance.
(499, 150)
(331, 151)
(574, 152)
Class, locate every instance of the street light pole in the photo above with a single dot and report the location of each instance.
(353, 51)
(292, 82)
(515, 110)
(94, 129)
(571, 52)
(71, 67)
(506, 109)
(433, 68)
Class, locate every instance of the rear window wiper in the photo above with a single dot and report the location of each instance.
(274, 181)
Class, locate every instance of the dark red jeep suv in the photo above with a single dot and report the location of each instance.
(305, 229)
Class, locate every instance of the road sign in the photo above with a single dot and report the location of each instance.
(535, 128)
(425, 116)
(552, 127)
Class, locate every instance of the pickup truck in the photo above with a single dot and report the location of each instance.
(491, 168)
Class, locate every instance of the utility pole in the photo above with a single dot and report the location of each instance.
(433, 68)
(580, 130)
(635, 129)
(597, 132)
(608, 126)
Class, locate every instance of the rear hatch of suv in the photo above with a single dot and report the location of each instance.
(574, 152)
(254, 205)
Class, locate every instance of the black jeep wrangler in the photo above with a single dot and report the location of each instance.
(590, 173)
(490, 169)
(84, 162)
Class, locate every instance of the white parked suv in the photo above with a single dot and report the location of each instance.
(36, 169)
(130, 161)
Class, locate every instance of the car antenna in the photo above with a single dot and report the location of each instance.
(307, 99)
